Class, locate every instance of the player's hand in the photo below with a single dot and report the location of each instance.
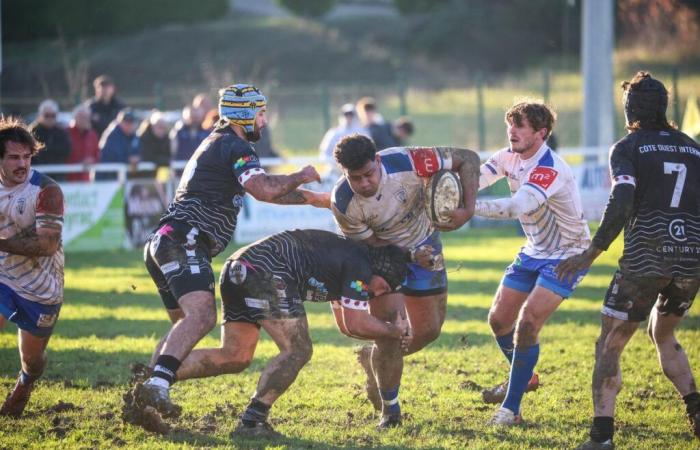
(319, 199)
(308, 174)
(404, 326)
(423, 256)
(570, 267)
(458, 217)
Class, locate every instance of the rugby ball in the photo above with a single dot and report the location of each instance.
(443, 194)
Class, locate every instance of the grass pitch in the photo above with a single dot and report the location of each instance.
(112, 317)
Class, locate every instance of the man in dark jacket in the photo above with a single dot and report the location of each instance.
(55, 139)
(104, 106)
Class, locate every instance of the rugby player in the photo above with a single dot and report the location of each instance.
(655, 197)
(379, 201)
(31, 256)
(546, 200)
(200, 222)
(265, 284)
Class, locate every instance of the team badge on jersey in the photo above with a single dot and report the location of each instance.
(237, 272)
(21, 205)
(242, 161)
(425, 160)
(543, 176)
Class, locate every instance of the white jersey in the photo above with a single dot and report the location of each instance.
(545, 198)
(396, 213)
(36, 203)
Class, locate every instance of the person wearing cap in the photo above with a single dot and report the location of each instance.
(47, 130)
(199, 223)
(119, 143)
(347, 125)
(104, 106)
(655, 197)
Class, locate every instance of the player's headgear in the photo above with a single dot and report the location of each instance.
(645, 99)
(239, 103)
(389, 262)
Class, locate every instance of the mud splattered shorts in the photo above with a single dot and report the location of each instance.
(631, 297)
(254, 295)
(422, 282)
(179, 261)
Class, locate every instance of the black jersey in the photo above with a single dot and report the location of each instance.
(211, 191)
(324, 265)
(662, 237)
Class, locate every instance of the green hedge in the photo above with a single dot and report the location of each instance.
(24, 20)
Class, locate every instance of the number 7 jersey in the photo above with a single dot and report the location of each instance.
(662, 237)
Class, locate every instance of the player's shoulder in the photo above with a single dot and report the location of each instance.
(341, 195)
(396, 160)
(43, 181)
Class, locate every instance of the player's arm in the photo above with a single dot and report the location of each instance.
(617, 212)
(305, 197)
(272, 188)
(45, 238)
(360, 324)
(490, 171)
(465, 163)
(523, 201)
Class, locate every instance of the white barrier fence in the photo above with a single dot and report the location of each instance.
(120, 213)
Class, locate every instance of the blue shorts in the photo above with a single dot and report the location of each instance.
(422, 282)
(32, 317)
(526, 272)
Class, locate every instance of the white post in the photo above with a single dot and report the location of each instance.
(598, 42)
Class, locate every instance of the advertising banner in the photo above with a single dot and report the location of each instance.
(145, 202)
(94, 218)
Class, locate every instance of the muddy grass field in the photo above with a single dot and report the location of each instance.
(112, 319)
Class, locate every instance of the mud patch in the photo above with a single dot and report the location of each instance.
(470, 385)
(145, 417)
(62, 406)
(139, 373)
(60, 426)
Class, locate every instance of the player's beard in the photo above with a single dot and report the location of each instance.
(253, 136)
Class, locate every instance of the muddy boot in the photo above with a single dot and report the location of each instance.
(498, 393)
(389, 421)
(593, 445)
(158, 397)
(364, 357)
(250, 429)
(17, 399)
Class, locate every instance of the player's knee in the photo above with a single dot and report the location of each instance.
(497, 324)
(526, 332)
(34, 363)
(236, 362)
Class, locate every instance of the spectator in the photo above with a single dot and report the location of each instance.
(379, 130)
(403, 129)
(55, 139)
(347, 125)
(104, 107)
(210, 119)
(203, 103)
(187, 133)
(154, 144)
(119, 143)
(85, 147)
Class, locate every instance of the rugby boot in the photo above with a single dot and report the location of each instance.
(389, 421)
(17, 399)
(255, 429)
(593, 445)
(693, 413)
(158, 397)
(364, 357)
(498, 393)
(505, 417)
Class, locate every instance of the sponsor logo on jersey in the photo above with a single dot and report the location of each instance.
(543, 177)
(358, 285)
(677, 230)
(238, 201)
(237, 272)
(243, 160)
(425, 160)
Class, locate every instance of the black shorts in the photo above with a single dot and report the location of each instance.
(251, 296)
(631, 297)
(179, 261)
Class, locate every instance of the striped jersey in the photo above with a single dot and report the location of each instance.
(396, 213)
(323, 265)
(556, 228)
(210, 193)
(662, 236)
(36, 203)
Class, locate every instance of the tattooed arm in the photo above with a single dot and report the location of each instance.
(45, 238)
(267, 188)
(305, 197)
(466, 163)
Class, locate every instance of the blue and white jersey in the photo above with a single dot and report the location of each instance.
(554, 223)
(36, 203)
(396, 213)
